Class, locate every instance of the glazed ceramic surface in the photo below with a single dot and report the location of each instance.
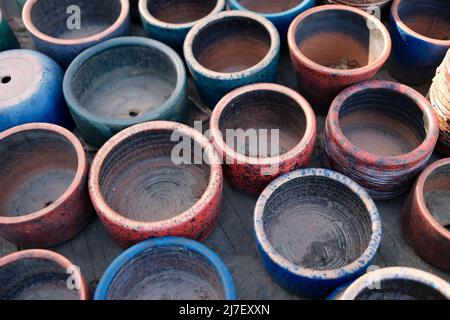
(122, 82)
(8, 40)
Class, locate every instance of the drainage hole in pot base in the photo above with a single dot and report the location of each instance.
(133, 113)
(269, 6)
(437, 195)
(180, 11)
(6, 79)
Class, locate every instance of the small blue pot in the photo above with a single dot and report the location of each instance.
(160, 258)
(31, 90)
(218, 67)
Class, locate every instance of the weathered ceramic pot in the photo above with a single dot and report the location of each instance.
(229, 50)
(426, 215)
(62, 29)
(44, 199)
(281, 12)
(31, 90)
(40, 275)
(169, 21)
(157, 179)
(420, 31)
(315, 230)
(395, 283)
(168, 268)
(8, 40)
(273, 130)
(381, 134)
(122, 82)
(334, 46)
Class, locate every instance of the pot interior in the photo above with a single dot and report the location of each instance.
(85, 18)
(38, 166)
(437, 195)
(140, 179)
(317, 223)
(383, 122)
(262, 123)
(125, 82)
(269, 6)
(167, 273)
(231, 44)
(180, 11)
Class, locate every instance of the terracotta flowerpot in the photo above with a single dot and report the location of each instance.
(381, 134)
(168, 268)
(333, 47)
(426, 215)
(316, 229)
(8, 40)
(157, 179)
(259, 155)
(40, 275)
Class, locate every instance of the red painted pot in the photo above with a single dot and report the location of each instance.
(40, 275)
(254, 155)
(334, 46)
(426, 215)
(381, 134)
(44, 199)
(157, 179)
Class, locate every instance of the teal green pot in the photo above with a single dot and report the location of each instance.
(8, 40)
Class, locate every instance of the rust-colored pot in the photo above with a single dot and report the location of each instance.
(242, 127)
(44, 199)
(426, 215)
(334, 46)
(157, 179)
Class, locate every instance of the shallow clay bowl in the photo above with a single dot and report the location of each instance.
(168, 268)
(40, 275)
(315, 230)
(142, 188)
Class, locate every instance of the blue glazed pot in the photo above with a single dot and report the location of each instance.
(417, 51)
(8, 40)
(315, 230)
(229, 50)
(169, 21)
(168, 268)
(281, 12)
(122, 82)
(31, 90)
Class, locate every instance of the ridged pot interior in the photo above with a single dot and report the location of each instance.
(180, 11)
(272, 123)
(269, 6)
(437, 195)
(51, 17)
(124, 82)
(167, 273)
(140, 180)
(383, 122)
(429, 18)
(339, 39)
(317, 223)
(231, 44)
(38, 166)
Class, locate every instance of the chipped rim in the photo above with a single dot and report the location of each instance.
(296, 9)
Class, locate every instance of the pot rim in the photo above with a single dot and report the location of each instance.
(29, 25)
(77, 181)
(375, 65)
(128, 255)
(106, 212)
(195, 65)
(62, 261)
(107, 45)
(395, 15)
(296, 9)
(430, 124)
(321, 275)
(305, 107)
(380, 3)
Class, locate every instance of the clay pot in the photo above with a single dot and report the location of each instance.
(229, 50)
(420, 31)
(316, 229)
(168, 268)
(334, 46)
(122, 82)
(426, 216)
(381, 134)
(40, 275)
(258, 156)
(169, 21)
(157, 179)
(31, 90)
(395, 283)
(62, 36)
(8, 40)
